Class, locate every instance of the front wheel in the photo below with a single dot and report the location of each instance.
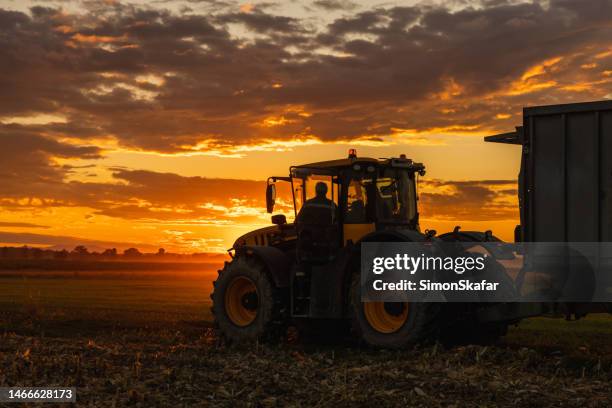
(391, 324)
(246, 305)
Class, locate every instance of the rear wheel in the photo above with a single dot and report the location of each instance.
(386, 317)
(246, 305)
(241, 301)
(391, 324)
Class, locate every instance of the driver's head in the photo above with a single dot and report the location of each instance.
(321, 189)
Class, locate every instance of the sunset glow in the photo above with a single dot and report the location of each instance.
(156, 125)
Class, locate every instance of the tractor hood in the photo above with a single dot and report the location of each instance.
(267, 236)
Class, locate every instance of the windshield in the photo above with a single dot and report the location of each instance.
(386, 195)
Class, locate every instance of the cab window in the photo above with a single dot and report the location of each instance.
(304, 187)
(310, 187)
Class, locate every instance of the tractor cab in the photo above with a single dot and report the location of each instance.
(363, 195)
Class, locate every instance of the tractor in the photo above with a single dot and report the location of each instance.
(306, 273)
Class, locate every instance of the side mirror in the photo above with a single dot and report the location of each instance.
(270, 197)
(279, 219)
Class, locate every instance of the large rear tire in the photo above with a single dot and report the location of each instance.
(392, 325)
(246, 304)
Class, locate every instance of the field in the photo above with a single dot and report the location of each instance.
(144, 339)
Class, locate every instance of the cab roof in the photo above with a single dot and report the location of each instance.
(339, 163)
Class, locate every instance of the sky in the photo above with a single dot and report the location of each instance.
(155, 123)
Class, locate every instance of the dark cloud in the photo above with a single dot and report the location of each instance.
(7, 224)
(59, 242)
(332, 5)
(151, 196)
(476, 200)
(261, 22)
(416, 67)
(145, 195)
(27, 162)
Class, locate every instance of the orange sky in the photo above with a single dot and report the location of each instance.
(128, 124)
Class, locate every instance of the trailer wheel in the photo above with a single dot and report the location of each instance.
(391, 325)
(246, 305)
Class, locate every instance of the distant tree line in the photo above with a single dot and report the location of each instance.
(80, 252)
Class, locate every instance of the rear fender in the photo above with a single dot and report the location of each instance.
(277, 263)
(499, 249)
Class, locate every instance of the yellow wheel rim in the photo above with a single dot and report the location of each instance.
(386, 317)
(241, 301)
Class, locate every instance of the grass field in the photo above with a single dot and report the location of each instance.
(144, 338)
(175, 295)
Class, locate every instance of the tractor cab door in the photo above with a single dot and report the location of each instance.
(315, 194)
(317, 224)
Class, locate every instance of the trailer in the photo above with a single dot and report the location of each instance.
(565, 185)
(565, 181)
